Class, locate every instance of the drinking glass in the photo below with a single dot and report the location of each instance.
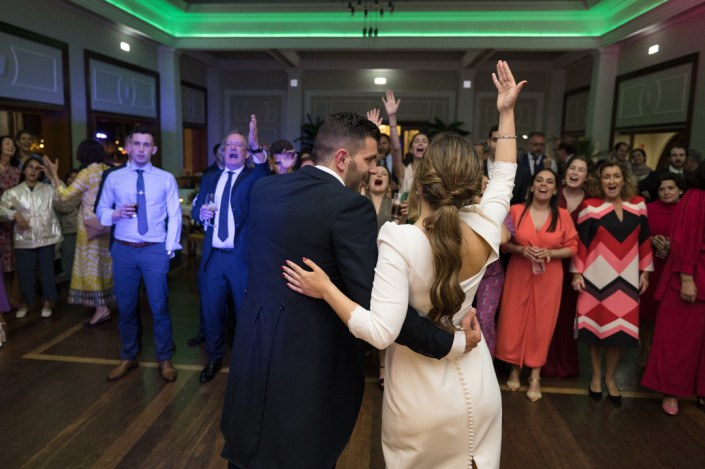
(212, 206)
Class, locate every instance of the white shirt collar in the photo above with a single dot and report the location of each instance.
(675, 170)
(331, 172)
(132, 167)
(235, 172)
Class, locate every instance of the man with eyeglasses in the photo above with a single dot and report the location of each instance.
(535, 159)
(522, 180)
(223, 269)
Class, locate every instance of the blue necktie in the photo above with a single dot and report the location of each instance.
(223, 209)
(142, 225)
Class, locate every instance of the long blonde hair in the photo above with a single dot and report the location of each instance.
(448, 178)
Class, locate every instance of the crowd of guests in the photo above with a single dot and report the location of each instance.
(609, 252)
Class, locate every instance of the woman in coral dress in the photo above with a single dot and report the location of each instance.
(532, 289)
(611, 270)
(92, 275)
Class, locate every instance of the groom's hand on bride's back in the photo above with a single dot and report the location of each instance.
(471, 326)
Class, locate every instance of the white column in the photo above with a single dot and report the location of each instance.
(293, 111)
(600, 103)
(172, 138)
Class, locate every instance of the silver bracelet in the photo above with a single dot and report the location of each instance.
(506, 137)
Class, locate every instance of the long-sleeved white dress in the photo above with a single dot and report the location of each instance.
(436, 413)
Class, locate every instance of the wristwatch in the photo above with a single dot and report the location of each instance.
(256, 150)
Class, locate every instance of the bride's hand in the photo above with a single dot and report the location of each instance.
(311, 283)
(507, 88)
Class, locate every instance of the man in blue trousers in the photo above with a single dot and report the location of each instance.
(223, 269)
(143, 203)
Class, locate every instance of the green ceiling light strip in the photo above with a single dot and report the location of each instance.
(604, 17)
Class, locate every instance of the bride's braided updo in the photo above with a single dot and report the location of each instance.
(448, 178)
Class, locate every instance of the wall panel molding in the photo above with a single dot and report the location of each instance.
(660, 96)
(32, 67)
(118, 87)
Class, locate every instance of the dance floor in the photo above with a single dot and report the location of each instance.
(58, 411)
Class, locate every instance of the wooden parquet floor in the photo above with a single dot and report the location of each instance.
(58, 411)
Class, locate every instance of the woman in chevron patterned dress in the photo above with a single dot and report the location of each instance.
(611, 270)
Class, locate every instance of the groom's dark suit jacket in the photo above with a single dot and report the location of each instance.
(296, 377)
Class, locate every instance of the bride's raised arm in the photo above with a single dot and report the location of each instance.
(507, 92)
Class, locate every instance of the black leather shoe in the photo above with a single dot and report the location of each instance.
(616, 400)
(197, 340)
(594, 395)
(211, 368)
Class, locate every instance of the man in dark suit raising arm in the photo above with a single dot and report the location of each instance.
(296, 376)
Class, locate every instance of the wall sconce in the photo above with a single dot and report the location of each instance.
(467, 84)
(294, 82)
(380, 81)
(125, 46)
(653, 49)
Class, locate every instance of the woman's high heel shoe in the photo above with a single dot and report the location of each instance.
(534, 395)
(616, 400)
(669, 408)
(594, 395)
(513, 382)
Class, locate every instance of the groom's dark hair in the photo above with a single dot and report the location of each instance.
(343, 130)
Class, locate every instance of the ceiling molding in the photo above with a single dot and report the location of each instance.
(288, 58)
(653, 20)
(569, 58)
(471, 19)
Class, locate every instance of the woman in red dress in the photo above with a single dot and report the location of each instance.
(532, 293)
(562, 359)
(676, 365)
(611, 270)
(660, 214)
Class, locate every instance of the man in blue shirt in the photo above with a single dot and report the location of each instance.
(143, 203)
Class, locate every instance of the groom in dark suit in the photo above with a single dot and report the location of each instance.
(296, 376)
(223, 269)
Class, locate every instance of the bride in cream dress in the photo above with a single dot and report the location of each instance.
(436, 413)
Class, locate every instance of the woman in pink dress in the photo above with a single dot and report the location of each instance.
(676, 365)
(562, 359)
(660, 213)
